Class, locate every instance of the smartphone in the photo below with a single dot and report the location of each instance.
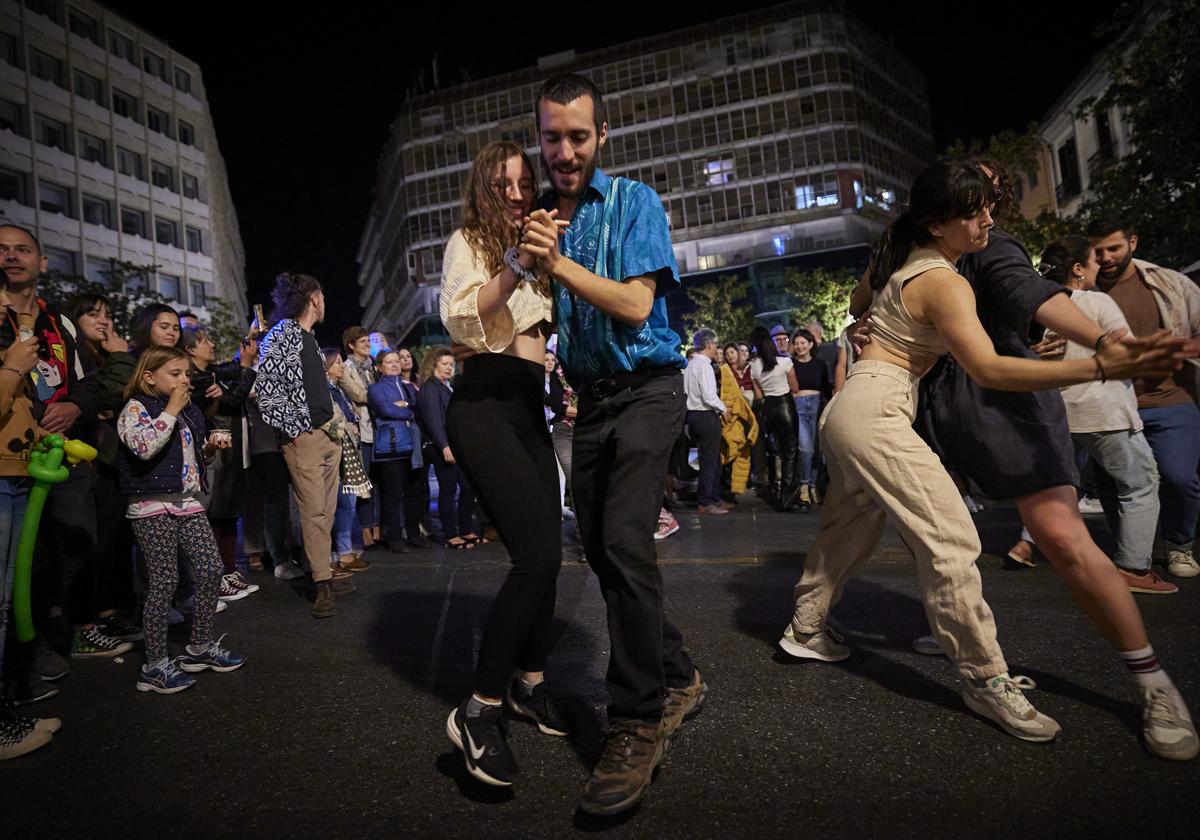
(260, 322)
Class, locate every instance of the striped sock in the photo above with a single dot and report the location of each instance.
(1143, 664)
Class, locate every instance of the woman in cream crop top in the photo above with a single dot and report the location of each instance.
(881, 471)
(891, 323)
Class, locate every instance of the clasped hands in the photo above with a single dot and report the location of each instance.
(539, 239)
(1152, 357)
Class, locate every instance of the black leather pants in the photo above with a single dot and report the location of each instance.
(781, 422)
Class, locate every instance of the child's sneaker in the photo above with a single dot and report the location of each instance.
(90, 643)
(238, 582)
(164, 679)
(20, 735)
(229, 590)
(212, 657)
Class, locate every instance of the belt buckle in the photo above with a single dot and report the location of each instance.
(602, 388)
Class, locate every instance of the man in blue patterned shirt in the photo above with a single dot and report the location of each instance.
(611, 266)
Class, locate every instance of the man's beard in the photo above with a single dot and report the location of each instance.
(1119, 269)
(584, 182)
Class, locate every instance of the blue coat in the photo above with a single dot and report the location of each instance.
(392, 422)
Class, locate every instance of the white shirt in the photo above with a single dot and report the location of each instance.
(700, 385)
(774, 383)
(1100, 406)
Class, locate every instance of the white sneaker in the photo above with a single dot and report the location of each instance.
(927, 645)
(288, 571)
(823, 646)
(1182, 563)
(1000, 700)
(1167, 725)
(1090, 505)
(221, 606)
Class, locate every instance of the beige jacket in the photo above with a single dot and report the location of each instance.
(1178, 302)
(463, 275)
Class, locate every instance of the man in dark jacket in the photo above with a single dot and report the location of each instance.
(66, 393)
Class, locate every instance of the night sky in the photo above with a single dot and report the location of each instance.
(302, 103)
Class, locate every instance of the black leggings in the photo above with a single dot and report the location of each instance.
(781, 422)
(497, 432)
(403, 505)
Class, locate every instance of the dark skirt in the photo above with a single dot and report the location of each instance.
(1009, 443)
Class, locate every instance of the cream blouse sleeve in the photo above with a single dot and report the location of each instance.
(462, 278)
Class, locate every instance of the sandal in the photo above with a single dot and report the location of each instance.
(462, 543)
(474, 539)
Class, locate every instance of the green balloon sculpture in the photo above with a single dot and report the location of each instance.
(46, 469)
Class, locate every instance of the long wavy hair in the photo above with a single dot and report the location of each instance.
(486, 222)
(943, 192)
(432, 356)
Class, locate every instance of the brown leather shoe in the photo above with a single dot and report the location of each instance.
(354, 564)
(342, 586)
(324, 606)
(632, 751)
(684, 703)
(1147, 582)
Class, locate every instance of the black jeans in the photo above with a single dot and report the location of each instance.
(622, 444)
(498, 434)
(456, 516)
(781, 419)
(403, 504)
(273, 480)
(705, 429)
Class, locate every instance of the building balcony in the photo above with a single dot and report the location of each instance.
(197, 208)
(162, 142)
(128, 127)
(61, 164)
(41, 89)
(1099, 162)
(1067, 190)
(95, 172)
(59, 225)
(133, 186)
(13, 75)
(92, 50)
(100, 235)
(15, 150)
(192, 155)
(92, 110)
(18, 213)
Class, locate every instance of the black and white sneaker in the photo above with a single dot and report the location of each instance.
(536, 706)
(484, 744)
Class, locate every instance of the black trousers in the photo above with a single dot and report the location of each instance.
(457, 515)
(780, 413)
(622, 444)
(403, 505)
(705, 429)
(497, 432)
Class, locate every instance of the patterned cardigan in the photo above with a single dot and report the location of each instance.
(280, 384)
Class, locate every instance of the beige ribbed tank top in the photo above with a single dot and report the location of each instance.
(891, 323)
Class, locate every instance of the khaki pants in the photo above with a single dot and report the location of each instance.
(881, 471)
(313, 460)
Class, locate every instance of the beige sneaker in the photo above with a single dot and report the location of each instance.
(823, 646)
(1000, 700)
(1167, 725)
(684, 703)
(1182, 563)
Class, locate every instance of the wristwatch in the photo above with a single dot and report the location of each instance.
(523, 273)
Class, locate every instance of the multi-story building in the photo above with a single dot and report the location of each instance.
(1075, 145)
(776, 137)
(108, 152)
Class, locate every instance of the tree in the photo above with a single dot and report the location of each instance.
(822, 295)
(721, 306)
(224, 328)
(1154, 85)
(126, 290)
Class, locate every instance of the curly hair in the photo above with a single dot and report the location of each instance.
(291, 295)
(487, 225)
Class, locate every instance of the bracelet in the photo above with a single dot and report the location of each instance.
(1100, 369)
(522, 273)
(1100, 341)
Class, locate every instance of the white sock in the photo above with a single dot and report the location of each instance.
(475, 705)
(1144, 667)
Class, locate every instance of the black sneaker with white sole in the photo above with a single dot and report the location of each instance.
(537, 707)
(484, 744)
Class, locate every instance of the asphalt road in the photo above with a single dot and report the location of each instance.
(335, 728)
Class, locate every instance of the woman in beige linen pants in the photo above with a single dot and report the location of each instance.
(881, 471)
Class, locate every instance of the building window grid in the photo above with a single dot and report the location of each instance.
(10, 50)
(93, 148)
(89, 87)
(52, 133)
(121, 46)
(799, 152)
(47, 67)
(84, 25)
